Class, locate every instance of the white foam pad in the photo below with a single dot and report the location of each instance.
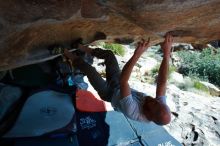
(43, 112)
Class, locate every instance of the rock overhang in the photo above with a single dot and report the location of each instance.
(27, 28)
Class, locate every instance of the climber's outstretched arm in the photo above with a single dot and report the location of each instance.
(164, 67)
(127, 69)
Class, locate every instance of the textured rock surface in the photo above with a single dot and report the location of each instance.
(28, 27)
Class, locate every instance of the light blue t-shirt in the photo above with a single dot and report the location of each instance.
(132, 105)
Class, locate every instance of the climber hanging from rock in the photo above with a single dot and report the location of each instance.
(134, 104)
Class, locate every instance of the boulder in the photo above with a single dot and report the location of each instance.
(176, 59)
(27, 27)
(195, 118)
(213, 90)
(199, 47)
(215, 44)
(181, 46)
(176, 78)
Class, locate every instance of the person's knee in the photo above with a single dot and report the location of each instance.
(110, 55)
(103, 54)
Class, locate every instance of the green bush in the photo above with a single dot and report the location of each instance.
(117, 49)
(193, 85)
(172, 69)
(204, 65)
(200, 86)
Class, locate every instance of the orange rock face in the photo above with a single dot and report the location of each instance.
(28, 27)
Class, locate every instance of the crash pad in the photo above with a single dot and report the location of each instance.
(88, 102)
(43, 112)
(153, 135)
(110, 128)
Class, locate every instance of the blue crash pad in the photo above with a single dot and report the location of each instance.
(113, 128)
(104, 129)
(67, 141)
(93, 129)
(108, 129)
(153, 135)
